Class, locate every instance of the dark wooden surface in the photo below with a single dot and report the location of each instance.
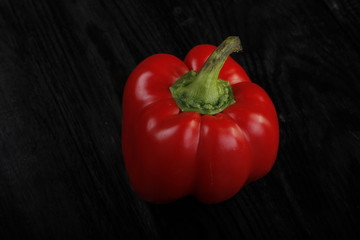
(63, 65)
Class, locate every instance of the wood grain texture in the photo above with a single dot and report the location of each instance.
(63, 65)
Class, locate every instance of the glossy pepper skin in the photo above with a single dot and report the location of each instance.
(171, 153)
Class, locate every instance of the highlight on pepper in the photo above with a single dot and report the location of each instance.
(196, 127)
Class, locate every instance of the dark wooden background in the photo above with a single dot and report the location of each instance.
(63, 65)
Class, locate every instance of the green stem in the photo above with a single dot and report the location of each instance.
(204, 92)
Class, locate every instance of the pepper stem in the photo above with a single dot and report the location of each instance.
(204, 92)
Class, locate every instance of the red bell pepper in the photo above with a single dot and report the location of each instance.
(198, 127)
